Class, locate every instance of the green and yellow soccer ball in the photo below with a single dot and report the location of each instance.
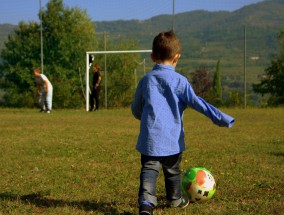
(198, 184)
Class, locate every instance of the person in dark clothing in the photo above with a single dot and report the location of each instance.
(94, 97)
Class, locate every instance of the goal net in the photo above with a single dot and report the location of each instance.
(92, 55)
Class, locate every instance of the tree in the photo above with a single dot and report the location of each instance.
(67, 34)
(272, 82)
(19, 56)
(217, 86)
(201, 83)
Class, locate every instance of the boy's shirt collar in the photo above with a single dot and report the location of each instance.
(162, 67)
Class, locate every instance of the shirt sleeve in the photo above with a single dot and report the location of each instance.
(218, 117)
(137, 104)
(43, 77)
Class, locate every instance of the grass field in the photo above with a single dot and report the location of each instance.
(75, 162)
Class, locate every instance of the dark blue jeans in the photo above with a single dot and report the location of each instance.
(94, 97)
(148, 177)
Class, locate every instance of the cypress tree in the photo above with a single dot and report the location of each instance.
(217, 86)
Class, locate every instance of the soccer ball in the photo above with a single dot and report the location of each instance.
(198, 184)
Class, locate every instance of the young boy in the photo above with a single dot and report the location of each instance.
(160, 99)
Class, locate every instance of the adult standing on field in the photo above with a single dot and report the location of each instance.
(44, 90)
(94, 97)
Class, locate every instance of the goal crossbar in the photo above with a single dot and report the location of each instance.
(88, 53)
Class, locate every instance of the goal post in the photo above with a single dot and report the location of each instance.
(88, 65)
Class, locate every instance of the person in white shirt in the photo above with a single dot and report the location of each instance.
(44, 90)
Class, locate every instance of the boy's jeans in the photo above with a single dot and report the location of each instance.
(148, 177)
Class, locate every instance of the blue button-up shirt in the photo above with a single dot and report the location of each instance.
(160, 99)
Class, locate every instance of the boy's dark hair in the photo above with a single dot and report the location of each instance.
(165, 46)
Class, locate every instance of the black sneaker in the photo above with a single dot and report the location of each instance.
(145, 210)
(184, 202)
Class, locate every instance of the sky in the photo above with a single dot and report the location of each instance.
(14, 11)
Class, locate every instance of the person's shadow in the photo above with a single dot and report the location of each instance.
(39, 200)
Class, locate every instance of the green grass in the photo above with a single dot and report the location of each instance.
(74, 162)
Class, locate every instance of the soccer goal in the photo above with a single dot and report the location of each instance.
(88, 65)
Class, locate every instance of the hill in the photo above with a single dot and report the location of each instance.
(198, 30)
(207, 37)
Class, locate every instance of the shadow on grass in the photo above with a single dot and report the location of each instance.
(39, 200)
(278, 154)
